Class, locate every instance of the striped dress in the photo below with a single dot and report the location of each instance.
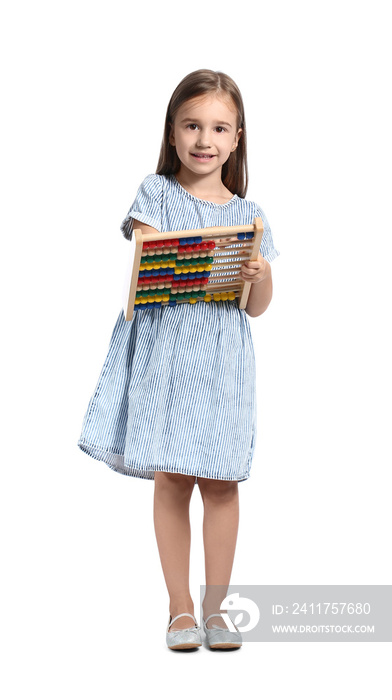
(177, 389)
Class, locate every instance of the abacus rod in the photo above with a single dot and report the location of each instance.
(209, 232)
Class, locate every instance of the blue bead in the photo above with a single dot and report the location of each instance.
(249, 234)
(240, 236)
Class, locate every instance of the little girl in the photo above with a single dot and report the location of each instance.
(175, 401)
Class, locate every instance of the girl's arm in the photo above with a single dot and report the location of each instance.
(144, 227)
(259, 274)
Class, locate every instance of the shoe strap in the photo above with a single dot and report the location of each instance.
(180, 615)
(213, 615)
(217, 615)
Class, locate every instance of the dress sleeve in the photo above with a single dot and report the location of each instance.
(147, 206)
(267, 248)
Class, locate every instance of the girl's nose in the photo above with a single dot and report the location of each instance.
(203, 140)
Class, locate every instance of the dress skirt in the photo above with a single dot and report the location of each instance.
(177, 393)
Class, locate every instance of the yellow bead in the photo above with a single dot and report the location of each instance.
(208, 267)
(192, 301)
(231, 295)
(217, 297)
(207, 297)
(224, 296)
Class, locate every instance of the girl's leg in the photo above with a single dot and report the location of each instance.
(172, 495)
(220, 529)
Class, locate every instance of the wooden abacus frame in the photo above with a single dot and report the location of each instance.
(233, 246)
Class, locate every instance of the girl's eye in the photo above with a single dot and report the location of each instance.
(190, 126)
(222, 128)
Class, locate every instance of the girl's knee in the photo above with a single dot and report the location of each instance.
(217, 489)
(171, 481)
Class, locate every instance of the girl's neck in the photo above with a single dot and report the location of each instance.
(209, 187)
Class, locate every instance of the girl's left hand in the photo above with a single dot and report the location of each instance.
(255, 271)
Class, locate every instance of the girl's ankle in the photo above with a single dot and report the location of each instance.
(177, 607)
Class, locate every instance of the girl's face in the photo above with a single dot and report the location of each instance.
(204, 134)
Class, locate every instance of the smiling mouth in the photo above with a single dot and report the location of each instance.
(202, 156)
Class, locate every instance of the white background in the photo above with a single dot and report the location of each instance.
(85, 88)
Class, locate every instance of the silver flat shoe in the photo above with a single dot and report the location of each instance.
(221, 638)
(189, 638)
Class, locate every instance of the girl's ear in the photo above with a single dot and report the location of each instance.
(171, 136)
(237, 138)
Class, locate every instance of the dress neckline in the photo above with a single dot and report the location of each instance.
(205, 201)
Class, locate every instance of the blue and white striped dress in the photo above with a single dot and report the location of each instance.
(177, 389)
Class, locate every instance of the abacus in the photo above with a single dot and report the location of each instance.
(197, 265)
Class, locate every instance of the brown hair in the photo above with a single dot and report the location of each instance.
(202, 82)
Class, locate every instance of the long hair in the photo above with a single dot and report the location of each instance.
(196, 84)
